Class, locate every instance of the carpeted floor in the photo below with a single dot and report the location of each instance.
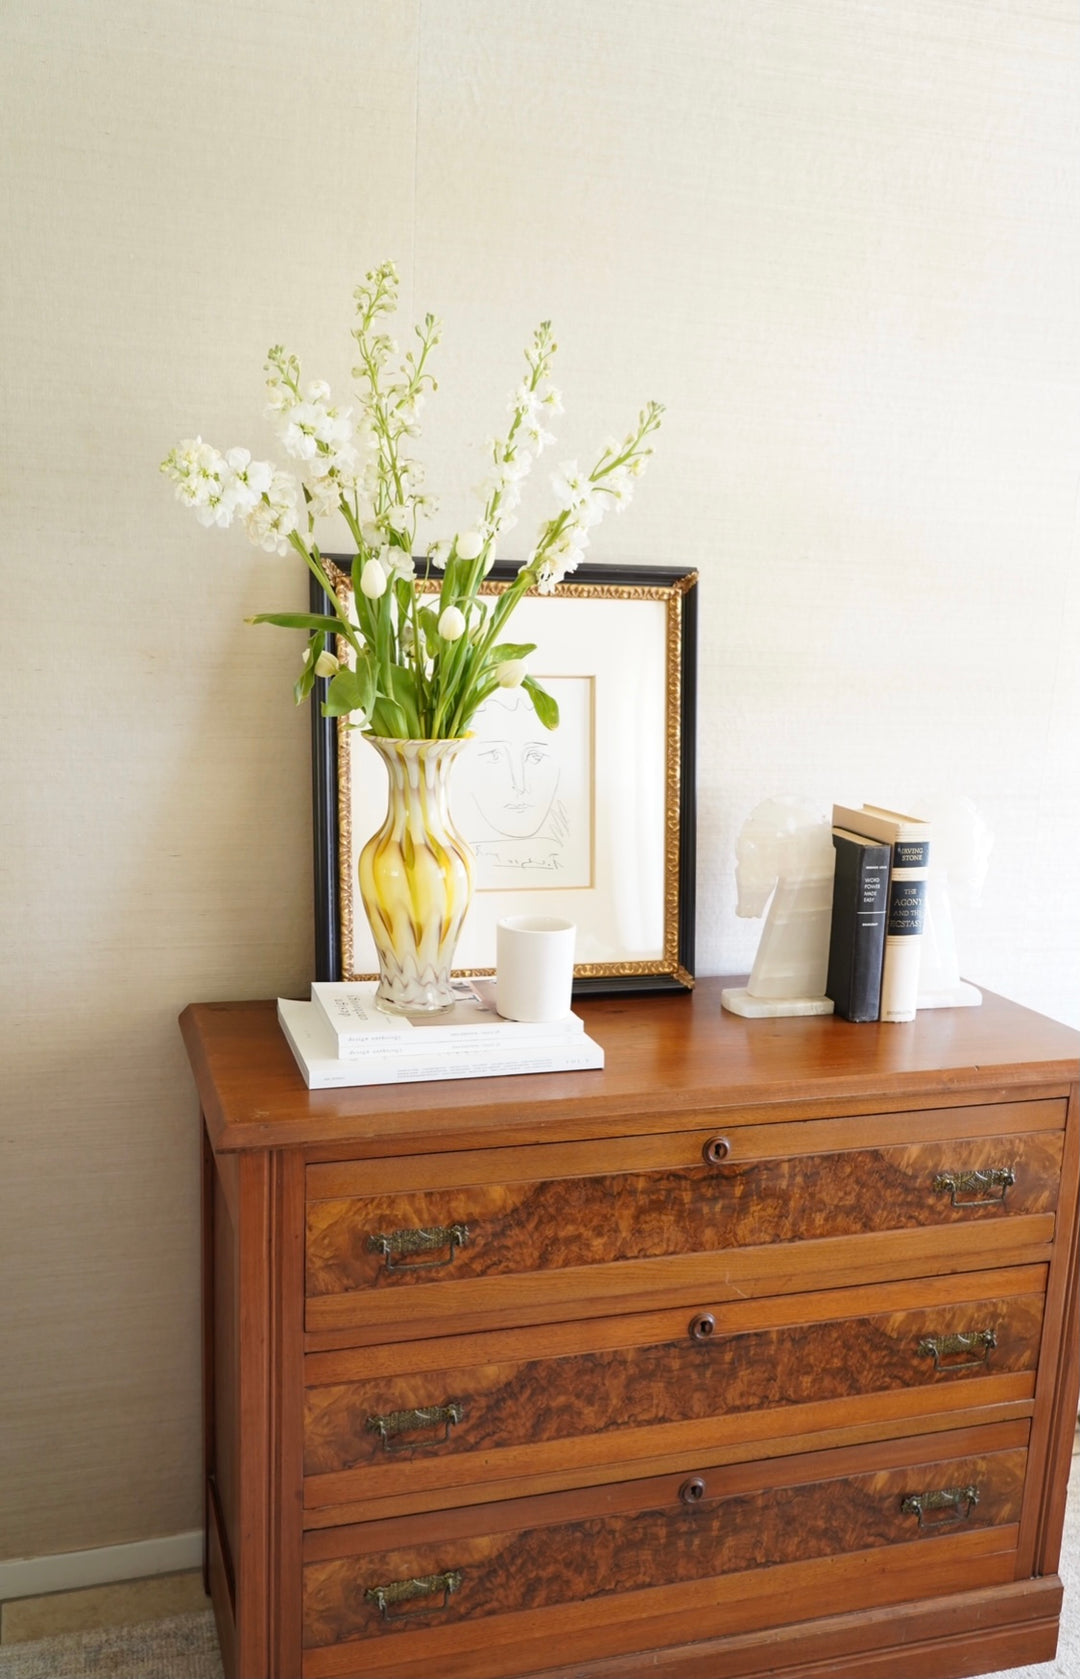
(177, 1647)
(185, 1646)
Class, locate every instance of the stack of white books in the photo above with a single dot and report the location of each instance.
(341, 1037)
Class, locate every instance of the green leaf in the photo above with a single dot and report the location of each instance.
(403, 693)
(366, 684)
(365, 611)
(546, 708)
(298, 621)
(455, 577)
(511, 650)
(306, 680)
(389, 720)
(350, 690)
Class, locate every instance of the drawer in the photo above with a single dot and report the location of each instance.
(694, 1194)
(428, 1586)
(543, 1401)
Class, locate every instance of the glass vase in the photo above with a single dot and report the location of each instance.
(416, 878)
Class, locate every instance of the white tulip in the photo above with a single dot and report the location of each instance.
(373, 580)
(470, 545)
(510, 673)
(452, 624)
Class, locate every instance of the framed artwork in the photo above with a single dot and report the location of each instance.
(593, 821)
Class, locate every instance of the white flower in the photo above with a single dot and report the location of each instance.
(575, 491)
(280, 396)
(535, 435)
(325, 492)
(470, 545)
(510, 673)
(298, 432)
(373, 580)
(408, 413)
(335, 430)
(438, 554)
(564, 556)
(325, 665)
(242, 483)
(195, 468)
(452, 624)
(273, 518)
(620, 487)
(531, 404)
(397, 517)
(310, 428)
(397, 564)
(514, 465)
(255, 474)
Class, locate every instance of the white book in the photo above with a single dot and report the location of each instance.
(361, 1028)
(313, 1045)
(909, 837)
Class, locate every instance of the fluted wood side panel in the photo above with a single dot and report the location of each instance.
(569, 1562)
(596, 1393)
(561, 1222)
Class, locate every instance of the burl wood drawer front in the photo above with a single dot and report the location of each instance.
(686, 1381)
(537, 1223)
(452, 1570)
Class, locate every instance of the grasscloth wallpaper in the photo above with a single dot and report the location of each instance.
(838, 240)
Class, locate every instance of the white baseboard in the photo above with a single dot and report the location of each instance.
(67, 1571)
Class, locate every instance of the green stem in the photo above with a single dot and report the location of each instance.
(347, 629)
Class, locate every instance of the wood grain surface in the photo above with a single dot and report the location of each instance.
(600, 1220)
(589, 1395)
(603, 1554)
(662, 1055)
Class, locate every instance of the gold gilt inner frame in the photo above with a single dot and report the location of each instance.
(336, 894)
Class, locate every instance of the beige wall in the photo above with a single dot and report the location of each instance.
(837, 237)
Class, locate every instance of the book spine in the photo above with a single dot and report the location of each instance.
(331, 1075)
(857, 936)
(904, 929)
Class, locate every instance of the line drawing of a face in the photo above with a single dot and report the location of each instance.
(516, 771)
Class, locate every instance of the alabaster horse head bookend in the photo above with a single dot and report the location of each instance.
(784, 859)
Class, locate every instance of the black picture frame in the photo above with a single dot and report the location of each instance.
(671, 968)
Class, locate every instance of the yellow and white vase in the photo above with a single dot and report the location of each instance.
(416, 877)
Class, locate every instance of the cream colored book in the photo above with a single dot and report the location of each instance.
(361, 1028)
(909, 837)
(313, 1044)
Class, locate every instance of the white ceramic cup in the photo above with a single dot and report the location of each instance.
(534, 967)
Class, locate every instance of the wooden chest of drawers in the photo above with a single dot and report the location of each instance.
(755, 1353)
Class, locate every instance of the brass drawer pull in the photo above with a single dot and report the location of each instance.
(385, 1598)
(692, 1491)
(979, 1186)
(956, 1502)
(702, 1327)
(408, 1422)
(401, 1243)
(938, 1347)
(716, 1151)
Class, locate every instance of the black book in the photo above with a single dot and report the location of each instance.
(859, 914)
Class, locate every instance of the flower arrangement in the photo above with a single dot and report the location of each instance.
(415, 670)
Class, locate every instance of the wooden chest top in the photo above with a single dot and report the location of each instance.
(672, 1061)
